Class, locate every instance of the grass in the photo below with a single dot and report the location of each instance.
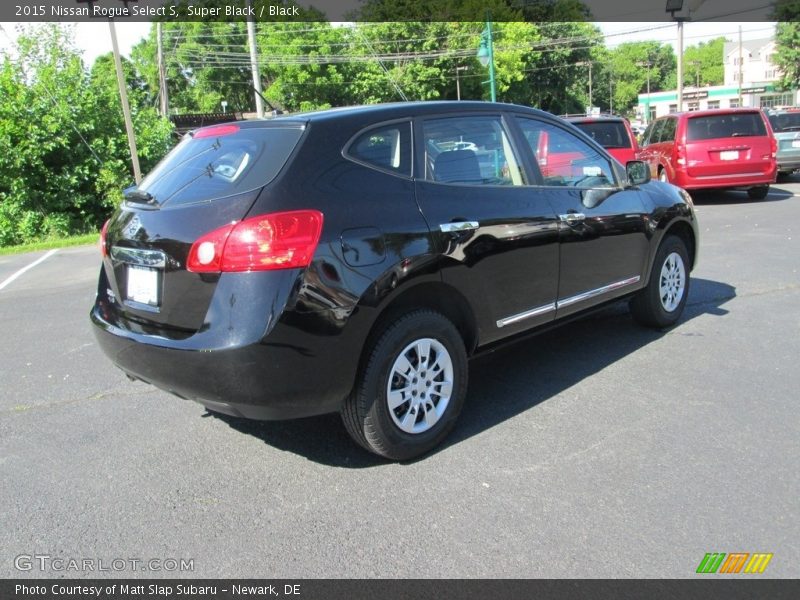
(77, 240)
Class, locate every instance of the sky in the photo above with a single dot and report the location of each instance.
(94, 38)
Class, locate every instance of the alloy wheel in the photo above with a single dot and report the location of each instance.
(672, 282)
(420, 385)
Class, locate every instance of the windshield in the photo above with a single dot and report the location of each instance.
(726, 126)
(207, 165)
(609, 134)
(785, 121)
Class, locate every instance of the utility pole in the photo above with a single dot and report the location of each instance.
(126, 109)
(610, 94)
(251, 35)
(590, 84)
(680, 64)
(741, 66)
(647, 64)
(458, 81)
(162, 73)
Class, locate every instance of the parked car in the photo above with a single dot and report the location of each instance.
(786, 127)
(713, 149)
(638, 129)
(353, 259)
(615, 134)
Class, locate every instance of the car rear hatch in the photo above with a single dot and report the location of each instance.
(209, 180)
(611, 134)
(728, 146)
(786, 126)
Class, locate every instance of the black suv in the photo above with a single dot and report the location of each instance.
(352, 260)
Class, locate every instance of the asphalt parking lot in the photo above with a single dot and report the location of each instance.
(601, 449)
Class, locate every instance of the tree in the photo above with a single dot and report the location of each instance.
(787, 53)
(196, 81)
(624, 74)
(704, 63)
(63, 152)
(558, 79)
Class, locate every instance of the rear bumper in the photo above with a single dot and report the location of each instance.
(789, 163)
(272, 365)
(738, 180)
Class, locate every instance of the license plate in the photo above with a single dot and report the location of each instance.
(143, 285)
(795, 143)
(729, 155)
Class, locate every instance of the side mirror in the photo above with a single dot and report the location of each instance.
(638, 172)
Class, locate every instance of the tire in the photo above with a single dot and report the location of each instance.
(661, 303)
(421, 412)
(758, 193)
(662, 175)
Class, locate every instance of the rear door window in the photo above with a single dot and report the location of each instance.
(220, 161)
(474, 150)
(727, 125)
(609, 134)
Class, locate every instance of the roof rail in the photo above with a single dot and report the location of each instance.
(594, 116)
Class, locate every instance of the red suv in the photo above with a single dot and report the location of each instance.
(713, 149)
(612, 133)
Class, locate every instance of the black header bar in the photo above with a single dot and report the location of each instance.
(388, 10)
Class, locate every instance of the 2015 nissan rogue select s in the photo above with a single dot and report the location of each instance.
(353, 259)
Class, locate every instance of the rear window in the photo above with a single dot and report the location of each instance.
(220, 161)
(725, 126)
(609, 134)
(785, 122)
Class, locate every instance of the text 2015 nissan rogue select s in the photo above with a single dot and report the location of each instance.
(352, 260)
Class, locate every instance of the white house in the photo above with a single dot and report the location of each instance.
(757, 62)
(759, 75)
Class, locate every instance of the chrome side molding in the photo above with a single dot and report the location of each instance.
(534, 312)
(540, 310)
(597, 292)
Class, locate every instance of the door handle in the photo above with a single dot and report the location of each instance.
(459, 226)
(571, 218)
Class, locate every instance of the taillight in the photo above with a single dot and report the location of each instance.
(284, 240)
(773, 146)
(680, 154)
(103, 243)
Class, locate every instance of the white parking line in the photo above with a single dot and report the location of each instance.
(28, 268)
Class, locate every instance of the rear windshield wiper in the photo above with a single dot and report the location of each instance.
(140, 197)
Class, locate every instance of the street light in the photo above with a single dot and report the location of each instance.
(486, 57)
(674, 6)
